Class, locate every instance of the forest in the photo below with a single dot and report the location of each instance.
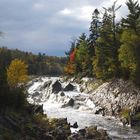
(112, 49)
(40, 64)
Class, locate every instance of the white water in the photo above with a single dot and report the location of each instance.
(82, 112)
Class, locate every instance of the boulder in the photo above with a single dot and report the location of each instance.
(71, 102)
(56, 87)
(75, 125)
(35, 94)
(90, 133)
(69, 87)
(62, 94)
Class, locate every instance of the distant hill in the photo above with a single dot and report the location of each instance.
(40, 64)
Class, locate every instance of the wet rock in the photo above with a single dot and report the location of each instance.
(82, 132)
(56, 87)
(125, 121)
(100, 111)
(71, 102)
(69, 87)
(46, 84)
(90, 133)
(35, 94)
(38, 109)
(75, 125)
(62, 94)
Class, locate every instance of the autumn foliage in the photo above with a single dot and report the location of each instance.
(72, 55)
(17, 73)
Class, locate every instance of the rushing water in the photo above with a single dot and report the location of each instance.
(83, 115)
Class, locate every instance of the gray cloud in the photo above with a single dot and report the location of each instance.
(44, 25)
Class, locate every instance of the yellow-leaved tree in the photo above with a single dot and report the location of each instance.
(17, 73)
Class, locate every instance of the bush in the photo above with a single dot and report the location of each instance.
(12, 98)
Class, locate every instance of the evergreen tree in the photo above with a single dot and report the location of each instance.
(105, 62)
(82, 56)
(133, 18)
(94, 30)
(129, 52)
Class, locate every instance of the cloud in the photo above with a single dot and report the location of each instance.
(83, 13)
(46, 25)
(65, 12)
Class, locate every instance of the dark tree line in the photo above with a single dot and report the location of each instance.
(40, 64)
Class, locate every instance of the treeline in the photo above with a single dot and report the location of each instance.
(112, 50)
(40, 64)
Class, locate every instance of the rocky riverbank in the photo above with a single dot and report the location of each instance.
(117, 98)
(32, 124)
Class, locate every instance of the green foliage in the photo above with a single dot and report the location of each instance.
(129, 52)
(112, 49)
(105, 62)
(125, 113)
(82, 56)
(133, 18)
(12, 99)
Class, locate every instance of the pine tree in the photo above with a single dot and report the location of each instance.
(82, 56)
(133, 18)
(105, 62)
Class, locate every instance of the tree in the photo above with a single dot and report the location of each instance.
(129, 55)
(129, 52)
(82, 56)
(94, 30)
(17, 73)
(105, 62)
(133, 18)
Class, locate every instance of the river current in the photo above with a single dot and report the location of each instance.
(83, 114)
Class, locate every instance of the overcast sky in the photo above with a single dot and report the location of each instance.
(47, 26)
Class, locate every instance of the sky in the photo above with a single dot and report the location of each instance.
(48, 26)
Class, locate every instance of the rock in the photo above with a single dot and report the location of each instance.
(38, 109)
(100, 111)
(56, 87)
(125, 121)
(46, 84)
(62, 94)
(75, 125)
(35, 94)
(69, 87)
(71, 102)
(82, 132)
(102, 131)
(90, 133)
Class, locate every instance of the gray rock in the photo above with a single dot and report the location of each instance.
(69, 87)
(56, 87)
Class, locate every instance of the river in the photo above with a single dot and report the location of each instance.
(82, 112)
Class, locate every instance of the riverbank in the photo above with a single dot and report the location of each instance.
(117, 98)
(32, 124)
